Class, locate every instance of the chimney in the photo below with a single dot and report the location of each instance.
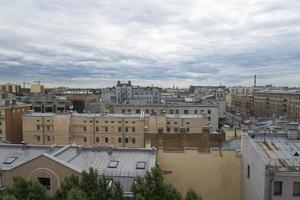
(110, 150)
(24, 144)
(148, 144)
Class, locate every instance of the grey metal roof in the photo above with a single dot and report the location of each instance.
(181, 116)
(81, 158)
(279, 152)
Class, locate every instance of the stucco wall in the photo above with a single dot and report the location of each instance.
(39, 167)
(213, 175)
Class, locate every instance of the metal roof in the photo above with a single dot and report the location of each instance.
(279, 152)
(81, 158)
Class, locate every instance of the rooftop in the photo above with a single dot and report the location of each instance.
(278, 151)
(279, 91)
(110, 161)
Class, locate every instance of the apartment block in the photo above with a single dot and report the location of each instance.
(270, 166)
(124, 93)
(11, 120)
(275, 103)
(122, 130)
(37, 88)
(209, 109)
(47, 103)
(11, 88)
(243, 103)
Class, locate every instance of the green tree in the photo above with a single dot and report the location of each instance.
(192, 195)
(22, 189)
(89, 183)
(68, 184)
(8, 197)
(118, 193)
(76, 194)
(152, 187)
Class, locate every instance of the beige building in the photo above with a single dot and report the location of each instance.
(47, 103)
(275, 103)
(243, 103)
(11, 120)
(37, 88)
(215, 175)
(209, 109)
(122, 130)
(10, 88)
(49, 165)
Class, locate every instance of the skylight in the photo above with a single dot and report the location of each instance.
(10, 160)
(140, 165)
(113, 164)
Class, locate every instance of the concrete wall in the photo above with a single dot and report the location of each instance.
(254, 186)
(177, 142)
(213, 175)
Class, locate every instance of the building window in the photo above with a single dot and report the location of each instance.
(126, 140)
(37, 127)
(175, 123)
(177, 111)
(48, 128)
(209, 112)
(120, 140)
(126, 129)
(97, 139)
(38, 138)
(112, 122)
(106, 139)
(45, 182)
(186, 112)
(133, 140)
(48, 138)
(248, 171)
(84, 139)
(175, 130)
(277, 188)
(106, 122)
(187, 122)
(120, 129)
(126, 122)
(187, 130)
(195, 111)
(84, 128)
(106, 129)
(209, 118)
(97, 128)
(133, 129)
(296, 189)
(168, 129)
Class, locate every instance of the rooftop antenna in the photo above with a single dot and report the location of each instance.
(254, 81)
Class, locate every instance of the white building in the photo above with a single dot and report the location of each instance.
(270, 166)
(125, 93)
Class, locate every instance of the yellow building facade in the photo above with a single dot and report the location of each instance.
(121, 130)
(215, 175)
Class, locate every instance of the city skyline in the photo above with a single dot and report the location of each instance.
(94, 44)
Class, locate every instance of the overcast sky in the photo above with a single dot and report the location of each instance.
(94, 43)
